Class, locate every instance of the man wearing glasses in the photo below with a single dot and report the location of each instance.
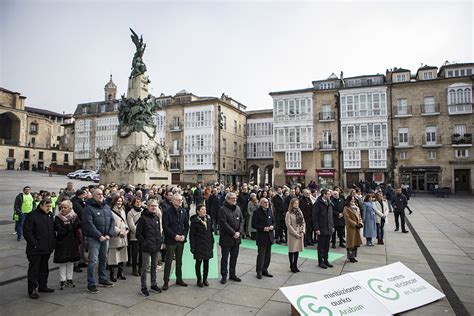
(175, 228)
(231, 226)
(98, 225)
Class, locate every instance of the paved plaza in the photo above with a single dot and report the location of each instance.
(444, 227)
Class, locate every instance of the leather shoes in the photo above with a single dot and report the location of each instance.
(33, 295)
(165, 286)
(322, 266)
(267, 274)
(259, 275)
(181, 283)
(45, 290)
(352, 260)
(235, 278)
(396, 229)
(223, 280)
(205, 282)
(405, 231)
(199, 283)
(328, 264)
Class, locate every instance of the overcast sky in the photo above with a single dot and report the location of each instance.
(59, 54)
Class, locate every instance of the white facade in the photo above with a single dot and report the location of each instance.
(364, 126)
(160, 122)
(199, 138)
(460, 98)
(260, 138)
(82, 139)
(105, 134)
(293, 126)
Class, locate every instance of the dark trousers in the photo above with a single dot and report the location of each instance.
(234, 253)
(263, 258)
(136, 255)
(323, 247)
(205, 271)
(38, 271)
(308, 236)
(281, 229)
(176, 251)
(400, 216)
(339, 230)
(380, 229)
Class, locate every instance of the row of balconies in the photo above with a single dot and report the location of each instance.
(457, 140)
(432, 109)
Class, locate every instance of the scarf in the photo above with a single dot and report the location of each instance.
(203, 221)
(69, 218)
(299, 216)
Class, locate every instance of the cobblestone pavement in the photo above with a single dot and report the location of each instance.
(445, 227)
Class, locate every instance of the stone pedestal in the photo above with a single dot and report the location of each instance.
(138, 87)
(143, 171)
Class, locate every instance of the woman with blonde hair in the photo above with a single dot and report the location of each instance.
(118, 253)
(296, 227)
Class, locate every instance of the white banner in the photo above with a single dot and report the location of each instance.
(397, 287)
(381, 291)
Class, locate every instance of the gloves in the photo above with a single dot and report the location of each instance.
(359, 226)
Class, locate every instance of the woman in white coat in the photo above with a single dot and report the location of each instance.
(382, 209)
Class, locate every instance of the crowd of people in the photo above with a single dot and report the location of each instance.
(146, 227)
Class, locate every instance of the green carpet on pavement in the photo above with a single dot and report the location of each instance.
(214, 263)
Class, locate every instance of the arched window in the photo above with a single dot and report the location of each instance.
(467, 95)
(452, 96)
(459, 96)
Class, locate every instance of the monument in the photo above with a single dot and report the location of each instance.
(136, 157)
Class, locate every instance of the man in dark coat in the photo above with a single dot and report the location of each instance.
(198, 195)
(243, 202)
(338, 214)
(399, 203)
(213, 205)
(263, 222)
(98, 225)
(149, 236)
(306, 207)
(78, 204)
(166, 202)
(176, 228)
(323, 225)
(38, 231)
(278, 202)
(231, 225)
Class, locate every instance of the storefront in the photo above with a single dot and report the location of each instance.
(325, 178)
(420, 178)
(293, 177)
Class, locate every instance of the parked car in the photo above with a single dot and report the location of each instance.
(76, 174)
(96, 177)
(87, 176)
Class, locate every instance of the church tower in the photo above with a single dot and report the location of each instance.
(110, 90)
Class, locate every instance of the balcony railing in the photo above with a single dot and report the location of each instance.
(175, 127)
(436, 142)
(462, 140)
(327, 145)
(327, 116)
(463, 108)
(404, 143)
(399, 111)
(429, 109)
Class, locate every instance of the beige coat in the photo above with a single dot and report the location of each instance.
(381, 213)
(132, 219)
(118, 245)
(295, 243)
(353, 238)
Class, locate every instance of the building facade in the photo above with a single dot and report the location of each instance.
(30, 138)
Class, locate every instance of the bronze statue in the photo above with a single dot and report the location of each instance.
(138, 66)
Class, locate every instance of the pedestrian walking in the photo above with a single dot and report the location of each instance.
(399, 203)
(353, 220)
(231, 225)
(296, 227)
(149, 235)
(263, 222)
(40, 242)
(201, 242)
(68, 237)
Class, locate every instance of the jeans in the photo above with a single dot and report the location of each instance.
(234, 253)
(146, 259)
(380, 229)
(19, 225)
(175, 250)
(97, 252)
